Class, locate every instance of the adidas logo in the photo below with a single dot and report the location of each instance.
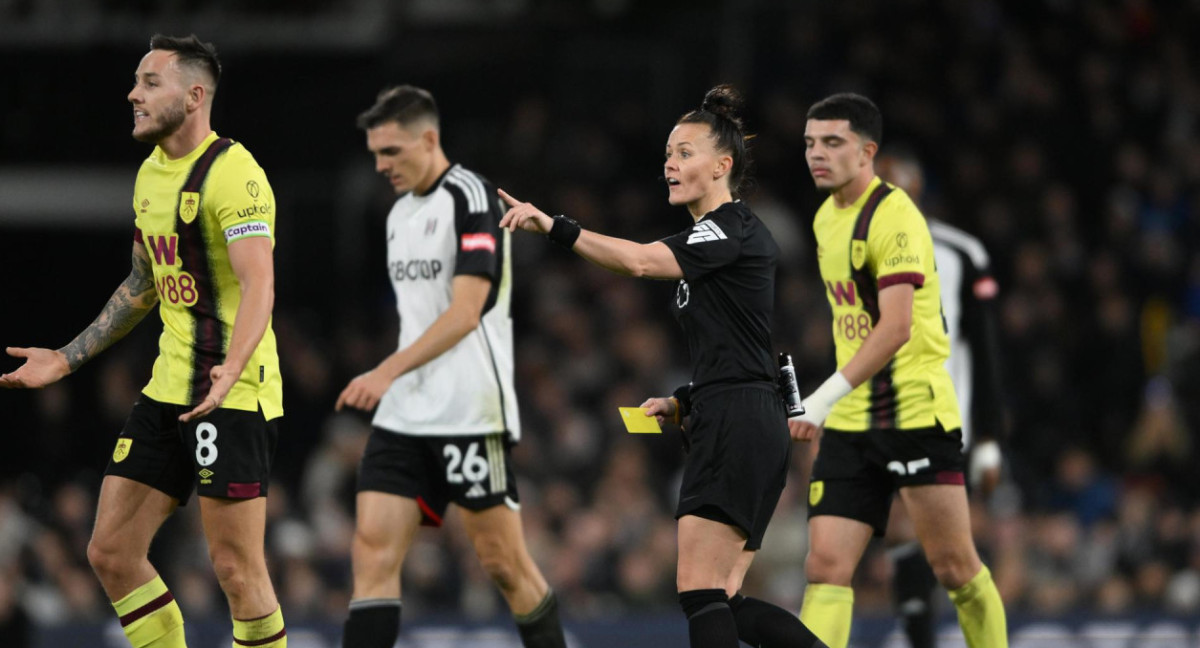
(476, 490)
(705, 231)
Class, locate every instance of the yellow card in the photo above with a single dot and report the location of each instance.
(637, 422)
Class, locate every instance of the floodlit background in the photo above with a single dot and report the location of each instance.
(1064, 133)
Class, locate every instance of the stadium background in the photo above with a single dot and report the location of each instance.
(1062, 132)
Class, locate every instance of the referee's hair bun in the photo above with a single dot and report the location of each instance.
(724, 101)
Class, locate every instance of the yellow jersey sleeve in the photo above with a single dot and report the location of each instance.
(241, 198)
(899, 247)
(913, 390)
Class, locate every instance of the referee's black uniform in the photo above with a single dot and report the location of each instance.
(737, 435)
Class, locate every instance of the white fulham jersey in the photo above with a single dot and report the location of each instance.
(964, 267)
(453, 229)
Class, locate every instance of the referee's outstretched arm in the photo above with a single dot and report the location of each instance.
(651, 260)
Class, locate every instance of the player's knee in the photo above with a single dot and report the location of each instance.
(954, 569)
(824, 565)
(375, 551)
(106, 559)
(234, 568)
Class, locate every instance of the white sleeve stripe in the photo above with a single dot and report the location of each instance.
(472, 199)
(957, 238)
(474, 182)
(472, 186)
(477, 191)
(477, 185)
(453, 179)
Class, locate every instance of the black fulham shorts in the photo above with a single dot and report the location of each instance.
(737, 460)
(856, 473)
(473, 471)
(225, 454)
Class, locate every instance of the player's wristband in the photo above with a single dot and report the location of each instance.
(565, 231)
(821, 402)
(677, 419)
(833, 389)
(984, 457)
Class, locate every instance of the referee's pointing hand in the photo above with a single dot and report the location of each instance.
(524, 215)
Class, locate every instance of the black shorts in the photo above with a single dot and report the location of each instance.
(737, 460)
(225, 454)
(473, 471)
(856, 473)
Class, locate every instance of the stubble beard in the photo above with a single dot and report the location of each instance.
(165, 125)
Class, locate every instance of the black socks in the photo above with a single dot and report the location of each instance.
(710, 621)
(373, 623)
(541, 628)
(764, 625)
(912, 586)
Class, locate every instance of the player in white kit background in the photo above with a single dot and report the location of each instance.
(446, 410)
(968, 293)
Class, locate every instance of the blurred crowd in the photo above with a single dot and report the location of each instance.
(1062, 133)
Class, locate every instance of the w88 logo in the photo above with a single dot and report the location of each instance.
(853, 326)
(177, 288)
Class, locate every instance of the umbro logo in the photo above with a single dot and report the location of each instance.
(704, 232)
(476, 490)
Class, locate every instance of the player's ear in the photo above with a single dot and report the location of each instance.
(196, 95)
(869, 150)
(431, 138)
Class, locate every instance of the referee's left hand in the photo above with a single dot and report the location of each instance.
(364, 392)
(661, 409)
(222, 381)
(524, 215)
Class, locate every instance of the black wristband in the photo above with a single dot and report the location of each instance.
(565, 231)
(683, 396)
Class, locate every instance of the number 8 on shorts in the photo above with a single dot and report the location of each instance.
(206, 444)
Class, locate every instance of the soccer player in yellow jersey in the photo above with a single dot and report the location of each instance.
(203, 253)
(890, 416)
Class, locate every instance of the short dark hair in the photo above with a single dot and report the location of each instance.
(863, 115)
(402, 104)
(720, 111)
(190, 51)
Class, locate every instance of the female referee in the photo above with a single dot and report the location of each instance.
(737, 431)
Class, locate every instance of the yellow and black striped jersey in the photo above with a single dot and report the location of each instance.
(882, 240)
(187, 211)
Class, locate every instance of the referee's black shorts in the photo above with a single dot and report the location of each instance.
(737, 460)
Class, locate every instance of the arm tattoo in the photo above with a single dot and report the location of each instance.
(133, 299)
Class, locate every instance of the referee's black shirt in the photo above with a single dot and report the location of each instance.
(727, 295)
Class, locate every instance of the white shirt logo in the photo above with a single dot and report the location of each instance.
(705, 231)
